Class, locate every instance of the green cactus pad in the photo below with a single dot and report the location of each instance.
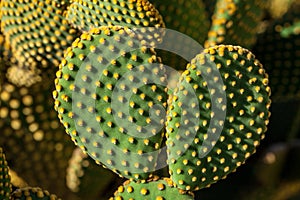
(156, 189)
(278, 50)
(213, 127)
(35, 142)
(187, 17)
(37, 32)
(98, 73)
(33, 193)
(89, 14)
(235, 22)
(5, 183)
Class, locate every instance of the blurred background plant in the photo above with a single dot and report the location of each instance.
(34, 37)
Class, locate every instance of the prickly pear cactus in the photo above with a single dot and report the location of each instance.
(31, 132)
(180, 15)
(205, 145)
(33, 193)
(227, 26)
(89, 14)
(37, 32)
(156, 189)
(278, 48)
(5, 184)
(104, 129)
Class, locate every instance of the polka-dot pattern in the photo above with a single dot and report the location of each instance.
(5, 55)
(278, 50)
(33, 193)
(156, 189)
(92, 101)
(5, 183)
(235, 23)
(35, 143)
(179, 16)
(37, 32)
(89, 14)
(200, 159)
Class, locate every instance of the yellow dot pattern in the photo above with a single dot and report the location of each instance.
(33, 193)
(180, 15)
(247, 116)
(133, 13)
(5, 56)
(37, 32)
(156, 189)
(31, 132)
(5, 184)
(107, 41)
(235, 23)
(280, 55)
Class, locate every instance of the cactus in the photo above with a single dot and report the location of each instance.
(31, 132)
(5, 184)
(284, 67)
(179, 16)
(156, 189)
(227, 28)
(118, 64)
(81, 173)
(37, 32)
(202, 138)
(89, 14)
(245, 84)
(33, 193)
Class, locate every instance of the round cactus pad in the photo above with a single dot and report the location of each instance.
(214, 126)
(156, 189)
(110, 96)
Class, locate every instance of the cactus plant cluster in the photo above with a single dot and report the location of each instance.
(84, 85)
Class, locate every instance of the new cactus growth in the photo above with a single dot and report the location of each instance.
(156, 189)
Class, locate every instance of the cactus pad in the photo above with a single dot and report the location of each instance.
(33, 194)
(229, 26)
(35, 142)
(36, 31)
(187, 17)
(104, 96)
(278, 49)
(5, 183)
(156, 189)
(89, 14)
(212, 134)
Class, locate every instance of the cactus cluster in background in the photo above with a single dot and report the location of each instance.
(88, 111)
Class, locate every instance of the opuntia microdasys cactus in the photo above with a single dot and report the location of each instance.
(37, 32)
